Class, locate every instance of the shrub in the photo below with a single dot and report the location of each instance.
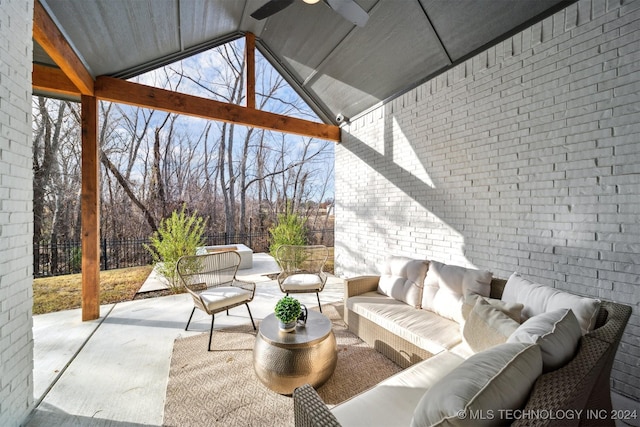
(178, 235)
(291, 230)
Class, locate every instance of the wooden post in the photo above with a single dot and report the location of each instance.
(250, 61)
(90, 200)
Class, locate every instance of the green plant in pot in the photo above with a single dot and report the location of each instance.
(287, 311)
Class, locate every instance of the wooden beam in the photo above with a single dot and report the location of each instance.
(49, 37)
(90, 207)
(50, 79)
(116, 90)
(250, 61)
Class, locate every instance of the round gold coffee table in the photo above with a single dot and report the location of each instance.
(284, 361)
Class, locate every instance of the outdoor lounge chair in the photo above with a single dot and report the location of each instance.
(211, 281)
(301, 269)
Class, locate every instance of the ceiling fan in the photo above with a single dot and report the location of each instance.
(349, 9)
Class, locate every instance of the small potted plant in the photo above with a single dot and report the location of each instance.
(287, 311)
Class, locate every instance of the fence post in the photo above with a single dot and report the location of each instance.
(105, 263)
(53, 261)
(250, 232)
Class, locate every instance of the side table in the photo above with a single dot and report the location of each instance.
(286, 360)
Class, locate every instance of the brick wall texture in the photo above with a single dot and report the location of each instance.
(524, 158)
(16, 212)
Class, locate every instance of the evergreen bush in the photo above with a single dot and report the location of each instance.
(178, 235)
(291, 229)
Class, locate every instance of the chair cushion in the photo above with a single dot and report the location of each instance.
(496, 379)
(223, 296)
(446, 285)
(423, 328)
(556, 332)
(392, 401)
(487, 326)
(303, 281)
(402, 278)
(538, 299)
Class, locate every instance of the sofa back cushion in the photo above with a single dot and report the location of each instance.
(445, 287)
(402, 278)
(513, 310)
(489, 382)
(538, 299)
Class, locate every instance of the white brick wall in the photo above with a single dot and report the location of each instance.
(524, 158)
(16, 212)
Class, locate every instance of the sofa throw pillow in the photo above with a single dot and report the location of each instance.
(556, 332)
(513, 310)
(402, 278)
(538, 299)
(446, 285)
(499, 378)
(487, 326)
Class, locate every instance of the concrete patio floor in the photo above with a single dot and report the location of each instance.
(113, 371)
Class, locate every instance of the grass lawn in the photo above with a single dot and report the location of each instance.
(64, 292)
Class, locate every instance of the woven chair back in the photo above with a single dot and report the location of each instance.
(200, 272)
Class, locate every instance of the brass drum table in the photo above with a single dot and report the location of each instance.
(286, 360)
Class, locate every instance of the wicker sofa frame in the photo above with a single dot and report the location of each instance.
(582, 384)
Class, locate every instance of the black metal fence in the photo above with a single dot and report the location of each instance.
(58, 258)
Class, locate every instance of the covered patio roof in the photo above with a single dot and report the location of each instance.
(339, 68)
(86, 49)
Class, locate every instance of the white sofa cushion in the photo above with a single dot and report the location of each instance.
(513, 310)
(423, 328)
(538, 299)
(496, 379)
(392, 401)
(487, 326)
(446, 285)
(556, 332)
(402, 278)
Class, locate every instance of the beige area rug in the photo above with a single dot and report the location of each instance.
(220, 388)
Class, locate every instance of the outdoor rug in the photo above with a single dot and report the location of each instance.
(220, 388)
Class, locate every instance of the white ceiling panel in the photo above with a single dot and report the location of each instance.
(406, 50)
(204, 20)
(467, 25)
(118, 34)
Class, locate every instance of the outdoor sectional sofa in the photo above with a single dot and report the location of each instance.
(477, 351)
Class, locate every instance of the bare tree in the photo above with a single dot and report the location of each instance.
(153, 162)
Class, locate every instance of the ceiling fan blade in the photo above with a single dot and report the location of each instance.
(270, 8)
(350, 10)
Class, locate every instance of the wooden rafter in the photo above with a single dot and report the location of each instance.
(49, 37)
(250, 67)
(121, 91)
(53, 80)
